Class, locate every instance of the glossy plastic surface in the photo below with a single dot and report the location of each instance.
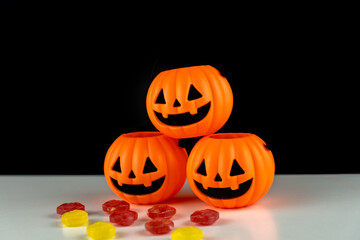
(230, 170)
(189, 102)
(145, 167)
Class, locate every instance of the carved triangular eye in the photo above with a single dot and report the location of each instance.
(236, 169)
(193, 93)
(116, 166)
(160, 99)
(149, 166)
(202, 169)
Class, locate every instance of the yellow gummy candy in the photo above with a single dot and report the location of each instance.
(75, 218)
(101, 230)
(187, 233)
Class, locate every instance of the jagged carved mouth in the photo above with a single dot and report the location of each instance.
(225, 193)
(139, 189)
(184, 119)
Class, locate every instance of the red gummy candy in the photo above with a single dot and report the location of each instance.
(123, 218)
(161, 211)
(67, 207)
(115, 205)
(204, 217)
(159, 225)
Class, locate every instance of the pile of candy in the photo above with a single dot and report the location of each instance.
(74, 215)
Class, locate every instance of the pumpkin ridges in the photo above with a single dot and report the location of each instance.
(181, 90)
(226, 85)
(176, 87)
(168, 183)
(268, 162)
(172, 160)
(168, 158)
(196, 77)
(206, 122)
(247, 161)
(210, 124)
(262, 187)
(258, 168)
(134, 164)
(227, 100)
(134, 159)
(149, 176)
(195, 151)
(271, 176)
(126, 153)
(249, 154)
(185, 86)
(208, 162)
(161, 84)
(136, 154)
(192, 166)
(196, 74)
(214, 94)
(217, 87)
(153, 150)
(254, 141)
(224, 157)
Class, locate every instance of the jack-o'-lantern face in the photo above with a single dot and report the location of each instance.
(138, 189)
(189, 102)
(230, 170)
(145, 167)
(223, 192)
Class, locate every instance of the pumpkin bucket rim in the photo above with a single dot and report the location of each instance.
(230, 135)
(142, 134)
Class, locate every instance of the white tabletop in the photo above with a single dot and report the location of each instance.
(296, 207)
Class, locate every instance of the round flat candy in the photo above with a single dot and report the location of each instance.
(187, 233)
(74, 218)
(162, 211)
(205, 217)
(101, 231)
(123, 218)
(67, 207)
(113, 205)
(159, 226)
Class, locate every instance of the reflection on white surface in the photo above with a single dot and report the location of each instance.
(297, 207)
(75, 232)
(255, 222)
(250, 223)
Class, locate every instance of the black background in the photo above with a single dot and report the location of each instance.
(73, 89)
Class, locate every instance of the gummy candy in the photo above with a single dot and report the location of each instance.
(162, 211)
(101, 231)
(67, 207)
(204, 217)
(74, 218)
(123, 218)
(187, 233)
(159, 225)
(112, 205)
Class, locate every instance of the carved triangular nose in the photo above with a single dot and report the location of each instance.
(218, 178)
(132, 175)
(176, 103)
